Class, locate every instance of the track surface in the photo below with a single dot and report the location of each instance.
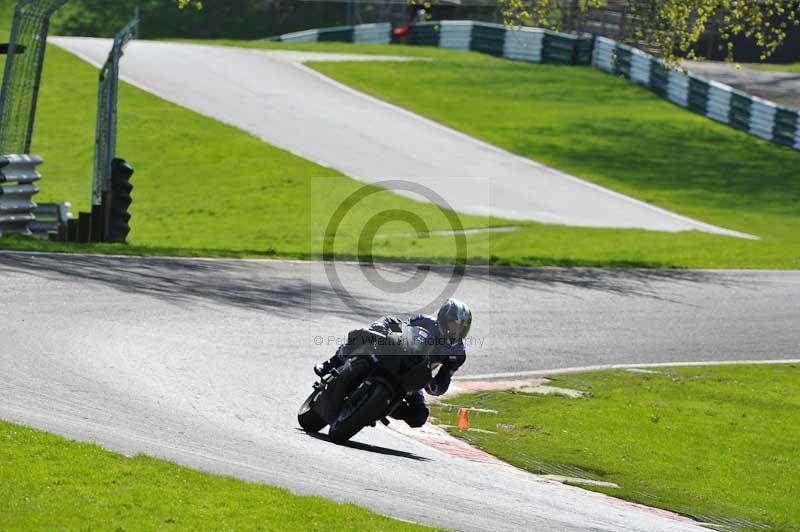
(205, 363)
(275, 97)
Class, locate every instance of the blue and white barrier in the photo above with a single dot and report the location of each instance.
(523, 44)
(720, 102)
(372, 33)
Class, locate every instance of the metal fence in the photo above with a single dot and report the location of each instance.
(23, 73)
(107, 97)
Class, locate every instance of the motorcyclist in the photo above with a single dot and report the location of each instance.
(448, 330)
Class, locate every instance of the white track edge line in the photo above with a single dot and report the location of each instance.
(604, 367)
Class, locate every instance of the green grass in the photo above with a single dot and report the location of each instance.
(200, 185)
(613, 133)
(6, 17)
(773, 67)
(718, 441)
(49, 483)
(203, 188)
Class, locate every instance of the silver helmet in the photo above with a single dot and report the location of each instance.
(454, 319)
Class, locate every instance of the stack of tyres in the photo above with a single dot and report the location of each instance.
(524, 44)
(373, 33)
(455, 34)
(622, 65)
(739, 116)
(698, 95)
(785, 127)
(559, 48)
(488, 38)
(584, 47)
(336, 34)
(424, 34)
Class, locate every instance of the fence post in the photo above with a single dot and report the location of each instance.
(23, 73)
(106, 135)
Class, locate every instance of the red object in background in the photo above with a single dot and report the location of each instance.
(401, 33)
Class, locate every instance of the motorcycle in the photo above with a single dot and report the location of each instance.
(370, 385)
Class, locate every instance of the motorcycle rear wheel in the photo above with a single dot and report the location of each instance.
(365, 405)
(308, 419)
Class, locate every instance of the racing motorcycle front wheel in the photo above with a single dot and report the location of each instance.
(364, 406)
(309, 420)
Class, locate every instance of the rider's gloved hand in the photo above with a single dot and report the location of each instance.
(387, 325)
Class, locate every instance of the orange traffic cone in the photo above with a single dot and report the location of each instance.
(463, 419)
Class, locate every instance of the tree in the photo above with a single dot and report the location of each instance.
(674, 27)
(211, 19)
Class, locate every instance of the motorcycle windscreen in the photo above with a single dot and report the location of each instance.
(417, 345)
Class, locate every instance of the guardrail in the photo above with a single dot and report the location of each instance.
(522, 44)
(17, 177)
(714, 100)
(51, 219)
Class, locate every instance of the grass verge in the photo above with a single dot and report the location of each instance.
(50, 483)
(705, 441)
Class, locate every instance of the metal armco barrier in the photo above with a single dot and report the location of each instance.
(17, 177)
(720, 102)
(51, 218)
(522, 44)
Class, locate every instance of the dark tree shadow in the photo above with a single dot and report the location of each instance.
(284, 288)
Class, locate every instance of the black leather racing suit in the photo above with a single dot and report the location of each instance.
(414, 409)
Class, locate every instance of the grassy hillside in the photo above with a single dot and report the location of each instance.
(6, 15)
(198, 183)
(608, 131)
(203, 188)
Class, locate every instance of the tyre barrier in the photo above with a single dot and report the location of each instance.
(522, 44)
(362, 34)
(17, 177)
(717, 101)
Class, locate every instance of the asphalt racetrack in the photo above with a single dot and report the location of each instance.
(206, 362)
(274, 96)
